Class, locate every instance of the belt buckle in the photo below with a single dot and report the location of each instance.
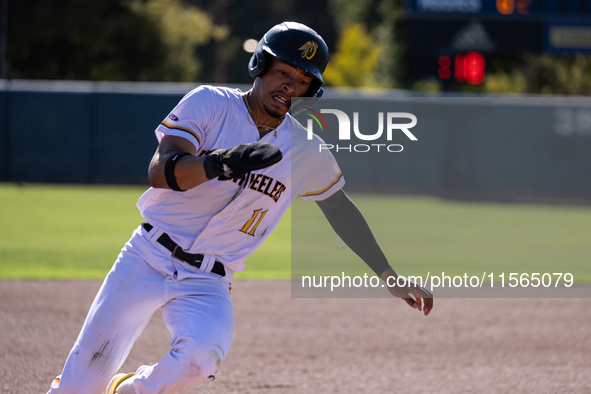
(176, 247)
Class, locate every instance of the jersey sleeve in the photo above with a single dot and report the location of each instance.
(325, 179)
(191, 118)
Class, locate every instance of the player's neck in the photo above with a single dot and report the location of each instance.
(264, 122)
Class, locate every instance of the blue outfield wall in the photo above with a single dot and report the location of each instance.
(480, 147)
(473, 147)
(80, 132)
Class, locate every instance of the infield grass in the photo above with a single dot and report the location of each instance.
(424, 234)
(75, 231)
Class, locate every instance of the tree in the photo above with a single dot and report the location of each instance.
(562, 75)
(380, 20)
(356, 60)
(134, 40)
(542, 73)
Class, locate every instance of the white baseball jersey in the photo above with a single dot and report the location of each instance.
(230, 219)
(225, 220)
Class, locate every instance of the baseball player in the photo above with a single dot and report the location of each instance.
(227, 168)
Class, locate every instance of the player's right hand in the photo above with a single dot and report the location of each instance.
(235, 162)
(414, 295)
(418, 297)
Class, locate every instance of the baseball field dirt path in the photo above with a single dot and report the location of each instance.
(284, 345)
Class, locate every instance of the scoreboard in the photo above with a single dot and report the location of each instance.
(501, 7)
(438, 29)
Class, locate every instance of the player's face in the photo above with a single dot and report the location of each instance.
(279, 84)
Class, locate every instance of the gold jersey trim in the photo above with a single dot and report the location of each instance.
(170, 126)
(318, 192)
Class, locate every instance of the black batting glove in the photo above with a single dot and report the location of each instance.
(233, 163)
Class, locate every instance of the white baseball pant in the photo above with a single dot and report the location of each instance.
(196, 308)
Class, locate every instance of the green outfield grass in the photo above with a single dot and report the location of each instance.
(424, 234)
(65, 231)
(71, 231)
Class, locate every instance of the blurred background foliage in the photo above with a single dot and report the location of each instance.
(201, 41)
(171, 19)
(356, 60)
(114, 40)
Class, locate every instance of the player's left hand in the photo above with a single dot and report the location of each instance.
(414, 295)
(235, 162)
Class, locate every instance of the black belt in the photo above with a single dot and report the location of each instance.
(194, 259)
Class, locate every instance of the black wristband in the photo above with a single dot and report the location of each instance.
(208, 167)
(169, 171)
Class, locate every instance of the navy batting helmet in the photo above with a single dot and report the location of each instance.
(294, 43)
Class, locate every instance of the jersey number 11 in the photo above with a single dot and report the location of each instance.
(248, 227)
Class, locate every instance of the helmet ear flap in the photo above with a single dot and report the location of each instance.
(260, 62)
(267, 60)
(256, 66)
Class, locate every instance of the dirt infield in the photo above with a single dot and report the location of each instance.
(284, 345)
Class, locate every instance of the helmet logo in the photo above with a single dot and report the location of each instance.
(309, 49)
